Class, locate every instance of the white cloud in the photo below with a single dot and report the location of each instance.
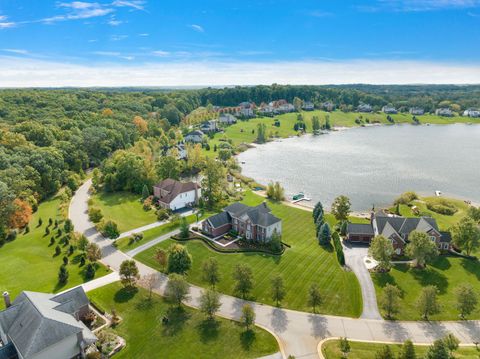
(21, 72)
(107, 53)
(197, 28)
(137, 5)
(144, 34)
(118, 37)
(4, 24)
(114, 22)
(161, 53)
(16, 51)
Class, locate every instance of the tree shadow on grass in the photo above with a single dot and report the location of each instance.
(430, 276)
(208, 330)
(441, 263)
(472, 266)
(76, 259)
(145, 303)
(382, 279)
(125, 294)
(247, 338)
(177, 318)
(59, 286)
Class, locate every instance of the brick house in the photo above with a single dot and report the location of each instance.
(397, 229)
(255, 223)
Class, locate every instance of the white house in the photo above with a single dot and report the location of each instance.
(389, 110)
(181, 151)
(328, 106)
(308, 106)
(246, 109)
(209, 126)
(445, 112)
(45, 326)
(175, 195)
(417, 111)
(471, 112)
(194, 136)
(364, 108)
(227, 119)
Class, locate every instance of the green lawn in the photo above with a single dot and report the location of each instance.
(124, 244)
(361, 350)
(124, 208)
(28, 262)
(444, 222)
(445, 272)
(187, 335)
(300, 266)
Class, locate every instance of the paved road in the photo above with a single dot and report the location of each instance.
(298, 332)
(354, 256)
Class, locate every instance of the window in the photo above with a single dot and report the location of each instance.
(445, 245)
(433, 238)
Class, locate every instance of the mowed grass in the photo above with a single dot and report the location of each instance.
(445, 272)
(301, 265)
(362, 350)
(28, 262)
(187, 335)
(444, 222)
(125, 244)
(124, 208)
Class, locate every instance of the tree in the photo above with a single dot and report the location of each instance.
(314, 296)
(261, 133)
(177, 289)
(184, 229)
(209, 302)
(381, 249)
(90, 271)
(316, 125)
(278, 289)
(407, 351)
(21, 214)
(297, 103)
(275, 191)
(276, 242)
(210, 271)
(145, 192)
(341, 208)
(179, 260)
(167, 167)
(161, 257)
(7, 197)
(385, 353)
(327, 122)
(109, 229)
(421, 248)
(427, 303)
(474, 213)
(319, 224)
(325, 234)
(95, 214)
(93, 252)
(248, 316)
(317, 212)
(63, 275)
(58, 250)
(68, 226)
(141, 124)
(213, 181)
(242, 274)
(390, 300)
(148, 281)
(129, 273)
(344, 347)
(466, 235)
(467, 299)
(452, 342)
(438, 350)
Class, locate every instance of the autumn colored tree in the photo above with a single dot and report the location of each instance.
(21, 215)
(141, 124)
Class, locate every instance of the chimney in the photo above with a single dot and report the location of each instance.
(6, 299)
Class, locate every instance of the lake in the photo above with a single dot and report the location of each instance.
(372, 165)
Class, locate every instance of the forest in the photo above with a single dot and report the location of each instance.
(50, 137)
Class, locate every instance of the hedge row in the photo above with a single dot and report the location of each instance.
(337, 244)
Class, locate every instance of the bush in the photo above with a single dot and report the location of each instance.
(337, 244)
(147, 203)
(442, 207)
(406, 198)
(136, 237)
(109, 229)
(95, 214)
(90, 271)
(11, 235)
(162, 214)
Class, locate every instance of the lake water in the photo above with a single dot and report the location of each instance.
(373, 165)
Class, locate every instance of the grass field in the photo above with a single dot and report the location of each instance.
(124, 244)
(28, 262)
(124, 208)
(444, 222)
(360, 350)
(187, 335)
(300, 266)
(445, 272)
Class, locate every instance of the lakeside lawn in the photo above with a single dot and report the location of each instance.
(28, 262)
(300, 266)
(125, 244)
(362, 350)
(188, 332)
(124, 208)
(445, 272)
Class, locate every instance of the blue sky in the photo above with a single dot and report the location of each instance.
(220, 42)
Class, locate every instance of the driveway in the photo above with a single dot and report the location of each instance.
(354, 258)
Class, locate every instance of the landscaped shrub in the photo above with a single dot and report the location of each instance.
(109, 229)
(147, 203)
(95, 214)
(136, 237)
(162, 214)
(442, 207)
(337, 244)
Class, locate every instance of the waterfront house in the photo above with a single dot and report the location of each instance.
(389, 110)
(417, 111)
(444, 112)
(194, 136)
(363, 107)
(328, 106)
(308, 106)
(253, 223)
(209, 126)
(227, 119)
(174, 195)
(246, 110)
(471, 112)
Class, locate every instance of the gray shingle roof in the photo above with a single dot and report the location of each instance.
(219, 219)
(259, 215)
(360, 229)
(404, 225)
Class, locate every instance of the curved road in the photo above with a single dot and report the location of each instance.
(298, 332)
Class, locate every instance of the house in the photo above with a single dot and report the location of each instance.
(471, 112)
(209, 126)
(181, 151)
(41, 326)
(266, 110)
(246, 109)
(227, 119)
(444, 112)
(328, 106)
(254, 223)
(175, 195)
(194, 136)
(389, 110)
(363, 107)
(417, 111)
(397, 229)
(308, 106)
